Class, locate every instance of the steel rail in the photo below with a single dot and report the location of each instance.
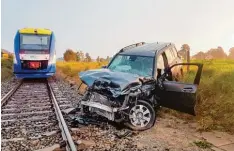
(10, 93)
(62, 124)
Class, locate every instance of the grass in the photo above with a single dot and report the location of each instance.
(70, 70)
(215, 98)
(216, 95)
(73, 68)
(6, 68)
(203, 144)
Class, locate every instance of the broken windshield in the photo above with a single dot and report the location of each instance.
(140, 65)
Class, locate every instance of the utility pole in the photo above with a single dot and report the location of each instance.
(187, 58)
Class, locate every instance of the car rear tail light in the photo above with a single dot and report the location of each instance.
(22, 52)
(45, 51)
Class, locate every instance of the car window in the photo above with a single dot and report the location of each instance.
(142, 66)
(160, 62)
(172, 52)
(169, 56)
(160, 65)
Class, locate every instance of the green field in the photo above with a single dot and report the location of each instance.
(216, 95)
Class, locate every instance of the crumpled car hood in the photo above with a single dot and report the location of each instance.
(119, 78)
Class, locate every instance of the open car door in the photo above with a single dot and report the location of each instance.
(177, 95)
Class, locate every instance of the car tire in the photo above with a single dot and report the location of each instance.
(141, 116)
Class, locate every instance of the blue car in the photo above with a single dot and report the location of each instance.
(139, 79)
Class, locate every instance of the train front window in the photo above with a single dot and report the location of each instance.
(37, 42)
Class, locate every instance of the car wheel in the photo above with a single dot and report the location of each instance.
(141, 116)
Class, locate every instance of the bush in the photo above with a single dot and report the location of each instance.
(70, 55)
(7, 63)
(7, 68)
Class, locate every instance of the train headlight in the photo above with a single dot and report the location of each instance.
(15, 61)
(53, 61)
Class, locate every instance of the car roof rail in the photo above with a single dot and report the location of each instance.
(132, 46)
(167, 45)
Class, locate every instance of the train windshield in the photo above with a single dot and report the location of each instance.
(34, 42)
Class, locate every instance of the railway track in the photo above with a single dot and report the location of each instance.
(31, 119)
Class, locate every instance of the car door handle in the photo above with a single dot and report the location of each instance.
(188, 89)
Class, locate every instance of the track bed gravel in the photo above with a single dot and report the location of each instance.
(28, 120)
(7, 85)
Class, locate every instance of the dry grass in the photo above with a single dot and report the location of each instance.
(216, 96)
(215, 99)
(6, 68)
(70, 70)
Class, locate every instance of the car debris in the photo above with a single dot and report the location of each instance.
(138, 80)
(123, 133)
(70, 110)
(78, 121)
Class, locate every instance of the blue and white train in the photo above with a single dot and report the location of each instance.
(34, 53)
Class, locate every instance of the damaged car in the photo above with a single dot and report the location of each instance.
(139, 79)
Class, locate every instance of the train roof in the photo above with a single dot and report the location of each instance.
(144, 49)
(41, 31)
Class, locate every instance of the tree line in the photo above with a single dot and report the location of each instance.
(215, 53)
(80, 56)
(184, 52)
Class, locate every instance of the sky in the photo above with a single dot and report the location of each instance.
(103, 27)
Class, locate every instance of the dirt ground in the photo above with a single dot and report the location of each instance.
(170, 132)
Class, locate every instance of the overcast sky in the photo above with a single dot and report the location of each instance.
(102, 27)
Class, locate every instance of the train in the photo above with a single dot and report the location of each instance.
(34, 53)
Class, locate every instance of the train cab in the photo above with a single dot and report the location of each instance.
(34, 53)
